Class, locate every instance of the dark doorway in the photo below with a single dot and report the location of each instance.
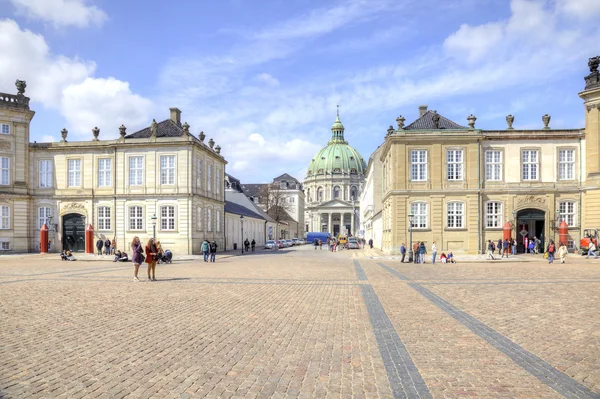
(73, 233)
(336, 230)
(530, 223)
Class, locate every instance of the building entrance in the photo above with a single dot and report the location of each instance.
(530, 223)
(73, 232)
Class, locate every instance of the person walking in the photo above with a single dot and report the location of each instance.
(137, 257)
(99, 245)
(505, 250)
(371, 243)
(320, 245)
(315, 243)
(526, 244)
(433, 253)
(416, 252)
(213, 250)
(403, 252)
(500, 247)
(113, 246)
(591, 250)
(490, 250)
(422, 252)
(562, 252)
(531, 247)
(551, 251)
(538, 245)
(151, 258)
(513, 246)
(204, 248)
(252, 244)
(247, 245)
(107, 247)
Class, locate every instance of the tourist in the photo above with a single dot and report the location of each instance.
(159, 250)
(451, 257)
(591, 250)
(204, 248)
(531, 246)
(433, 253)
(151, 258)
(443, 258)
(538, 245)
(551, 251)
(320, 245)
(316, 243)
(137, 257)
(500, 247)
(99, 245)
(490, 250)
(113, 246)
(252, 244)
(403, 252)
(562, 252)
(107, 247)
(505, 250)
(371, 243)
(213, 250)
(513, 246)
(247, 245)
(526, 244)
(422, 252)
(416, 252)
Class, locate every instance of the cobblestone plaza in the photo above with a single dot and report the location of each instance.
(300, 323)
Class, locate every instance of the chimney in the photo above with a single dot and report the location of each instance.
(422, 110)
(175, 115)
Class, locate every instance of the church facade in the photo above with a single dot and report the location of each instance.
(159, 181)
(462, 186)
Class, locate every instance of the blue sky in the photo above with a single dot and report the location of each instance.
(263, 77)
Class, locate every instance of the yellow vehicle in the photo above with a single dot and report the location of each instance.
(342, 240)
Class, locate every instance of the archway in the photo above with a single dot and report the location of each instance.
(530, 223)
(73, 232)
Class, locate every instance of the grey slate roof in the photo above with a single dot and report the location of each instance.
(286, 177)
(253, 190)
(166, 128)
(231, 207)
(425, 122)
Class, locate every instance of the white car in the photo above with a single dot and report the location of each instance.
(271, 244)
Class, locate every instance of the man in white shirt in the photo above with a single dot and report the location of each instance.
(433, 252)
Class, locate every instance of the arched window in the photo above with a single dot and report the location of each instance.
(353, 193)
(308, 195)
(336, 192)
(320, 194)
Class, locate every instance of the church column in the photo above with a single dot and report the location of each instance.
(330, 225)
(352, 223)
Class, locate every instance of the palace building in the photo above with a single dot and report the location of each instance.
(461, 185)
(160, 180)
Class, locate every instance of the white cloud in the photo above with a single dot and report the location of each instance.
(584, 9)
(267, 79)
(61, 13)
(47, 138)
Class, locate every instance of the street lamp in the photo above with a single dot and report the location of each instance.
(153, 218)
(410, 226)
(242, 238)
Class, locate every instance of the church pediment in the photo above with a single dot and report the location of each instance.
(335, 204)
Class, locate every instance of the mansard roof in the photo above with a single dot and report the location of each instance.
(236, 209)
(425, 122)
(166, 128)
(287, 178)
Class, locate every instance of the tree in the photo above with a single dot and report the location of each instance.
(274, 200)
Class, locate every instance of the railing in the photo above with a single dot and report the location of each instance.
(14, 100)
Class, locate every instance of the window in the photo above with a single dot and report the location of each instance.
(282, 185)
(353, 193)
(493, 214)
(4, 245)
(4, 217)
(209, 177)
(5, 170)
(418, 165)
(199, 173)
(218, 221)
(218, 180)
(167, 169)
(5, 129)
(136, 218)
(320, 194)
(454, 160)
(493, 165)
(136, 171)
(455, 215)
(167, 217)
(571, 245)
(104, 172)
(566, 210)
(43, 215)
(209, 220)
(74, 170)
(566, 164)
(103, 218)
(419, 210)
(336, 192)
(530, 164)
(45, 173)
(199, 216)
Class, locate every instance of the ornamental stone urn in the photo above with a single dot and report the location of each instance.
(96, 133)
(202, 136)
(471, 118)
(509, 121)
(218, 149)
(21, 86)
(546, 120)
(400, 121)
(436, 120)
(186, 129)
(211, 143)
(64, 134)
(122, 130)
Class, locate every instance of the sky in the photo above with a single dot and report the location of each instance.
(263, 78)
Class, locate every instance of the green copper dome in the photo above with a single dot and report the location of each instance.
(338, 156)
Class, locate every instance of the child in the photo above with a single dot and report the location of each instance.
(450, 257)
(443, 258)
(562, 252)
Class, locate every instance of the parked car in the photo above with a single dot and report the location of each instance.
(295, 241)
(271, 244)
(301, 241)
(290, 243)
(281, 244)
(352, 243)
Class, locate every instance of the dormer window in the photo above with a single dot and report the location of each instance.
(337, 157)
(323, 158)
(353, 170)
(320, 171)
(282, 185)
(352, 158)
(337, 170)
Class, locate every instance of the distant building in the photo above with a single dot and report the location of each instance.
(371, 221)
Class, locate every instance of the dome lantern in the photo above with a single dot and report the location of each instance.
(337, 130)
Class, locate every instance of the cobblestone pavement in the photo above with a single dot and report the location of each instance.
(299, 323)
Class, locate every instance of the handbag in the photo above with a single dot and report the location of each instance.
(545, 255)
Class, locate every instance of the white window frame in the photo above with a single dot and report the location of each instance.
(320, 193)
(493, 165)
(200, 227)
(104, 221)
(135, 220)
(104, 172)
(455, 215)
(209, 226)
(168, 168)
(218, 179)
(566, 164)
(4, 128)
(418, 165)
(493, 214)
(209, 177)
(419, 210)
(454, 164)
(73, 174)
(4, 244)
(4, 171)
(136, 170)
(4, 217)
(167, 218)
(530, 168)
(44, 212)
(218, 221)
(45, 169)
(568, 212)
(199, 173)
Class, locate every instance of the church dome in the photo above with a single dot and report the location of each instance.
(337, 156)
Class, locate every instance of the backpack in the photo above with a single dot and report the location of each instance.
(551, 248)
(493, 246)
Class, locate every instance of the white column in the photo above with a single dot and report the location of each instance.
(352, 224)
(330, 225)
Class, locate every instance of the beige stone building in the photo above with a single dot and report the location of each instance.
(462, 184)
(161, 179)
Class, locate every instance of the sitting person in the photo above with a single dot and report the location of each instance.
(63, 255)
(443, 258)
(451, 257)
(117, 255)
(70, 256)
(123, 257)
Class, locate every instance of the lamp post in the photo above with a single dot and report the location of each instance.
(242, 238)
(410, 226)
(153, 218)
